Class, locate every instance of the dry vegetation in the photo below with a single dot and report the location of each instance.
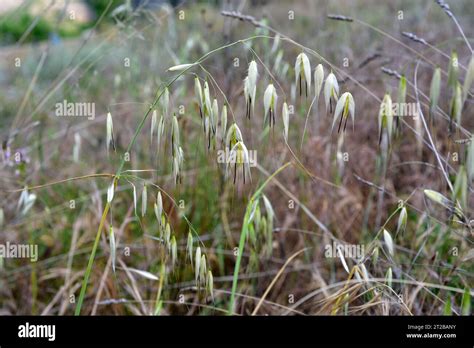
(133, 214)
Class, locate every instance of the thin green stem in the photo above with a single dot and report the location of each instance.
(243, 236)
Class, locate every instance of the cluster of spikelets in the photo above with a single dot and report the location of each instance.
(166, 235)
(217, 135)
(260, 226)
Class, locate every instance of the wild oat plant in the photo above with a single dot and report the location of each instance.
(239, 158)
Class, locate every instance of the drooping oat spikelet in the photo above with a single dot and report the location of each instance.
(318, 80)
(234, 135)
(207, 100)
(435, 89)
(389, 277)
(198, 92)
(176, 168)
(110, 132)
(331, 91)
(286, 120)
(180, 67)
(112, 247)
(388, 241)
(158, 207)
(174, 251)
(270, 103)
(468, 80)
(143, 274)
(144, 200)
(189, 246)
(202, 270)
(197, 261)
(386, 117)
(303, 72)
(250, 88)
(453, 71)
(345, 106)
(175, 135)
(470, 160)
(160, 132)
(214, 115)
(402, 96)
(339, 252)
(154, 117)
(267, 223)
(134, 199)
(402, 220)
(110, 192)
(438, 198)
(223, 127)
(239, 157)
(455, 107)
(210, 284)
(166, 101)
(167, 236)
(77, 148)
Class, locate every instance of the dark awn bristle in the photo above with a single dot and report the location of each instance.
(242, 17)
(369, 59)
(340, 122)
(391, 72)
(415, 38)
(445, 7)
(340, 18)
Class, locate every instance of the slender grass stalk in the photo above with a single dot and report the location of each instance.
(243, 236)
(159, 94)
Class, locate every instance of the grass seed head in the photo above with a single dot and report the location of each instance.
(180, 67)
(234, 135)
(110, 192)
(202, 270)
(402, 220)
(110, 132)
(303, 72)
(166, 101)
(388, 241)
(286, 120)
(453, 70)
(470, 160)
(214, 115)
(210, 284)
(112, 247)
(468, 80)
(174, 251)
(223, 127)
(198, 92)
(385, 118)
(270, 99)
(435, 89)
(154, 117)
(318, 80)
(189, 246)
(389, 277)
(144, 200)
(331, 91)
(345, 106)
(197, 262)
